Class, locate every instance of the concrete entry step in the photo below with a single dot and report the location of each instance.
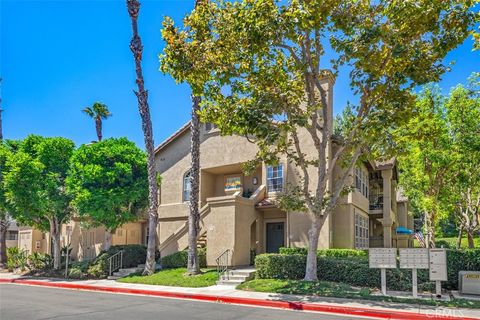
(236, 276)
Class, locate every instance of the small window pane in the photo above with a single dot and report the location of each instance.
(275, 178)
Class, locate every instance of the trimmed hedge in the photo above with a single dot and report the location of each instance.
(354, 270)
(133, 255)
(327, 252)
(179, 259)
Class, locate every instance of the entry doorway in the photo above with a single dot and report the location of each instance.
(275, 236)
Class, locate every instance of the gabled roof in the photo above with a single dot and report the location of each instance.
(176, 134)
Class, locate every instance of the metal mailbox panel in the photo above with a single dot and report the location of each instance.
(438, 264)
(414, 258)
(382, 258)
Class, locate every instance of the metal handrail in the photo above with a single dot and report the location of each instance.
(115, 262)
(222, 264)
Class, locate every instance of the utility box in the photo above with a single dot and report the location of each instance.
(469, 282)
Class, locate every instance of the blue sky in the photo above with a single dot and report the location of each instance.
(57, 57)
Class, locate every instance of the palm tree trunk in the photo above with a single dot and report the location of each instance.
(136, 47)
(1, 128)
(1, 110)
(193, 266)
(98, 127)
(4, 221)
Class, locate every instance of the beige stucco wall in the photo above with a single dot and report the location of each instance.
(87, 242)
(33, 240)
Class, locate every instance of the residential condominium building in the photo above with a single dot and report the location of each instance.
(239, 212)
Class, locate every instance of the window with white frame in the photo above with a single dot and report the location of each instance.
(361, 231)
(275, 178)
(186, 186)
(361, 181)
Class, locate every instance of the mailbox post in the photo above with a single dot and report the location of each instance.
(383, 259)
(438, 268)
(414, 259)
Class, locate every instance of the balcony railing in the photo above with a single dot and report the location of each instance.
(376, 201)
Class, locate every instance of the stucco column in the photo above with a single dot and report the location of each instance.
(394, 196)
(387, 208)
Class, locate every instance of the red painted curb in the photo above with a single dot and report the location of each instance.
(334, 309)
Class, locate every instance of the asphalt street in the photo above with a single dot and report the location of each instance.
(19, 302)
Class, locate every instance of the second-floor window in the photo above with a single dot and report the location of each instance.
(275, 178)
(361, 181)
(361, 232)
(186, 186)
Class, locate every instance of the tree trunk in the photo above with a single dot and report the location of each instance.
(193, 266)
(471, 243)
(429, 230)
(459, 239)
(55, 236)
(3, 244)
(136, 47)
(98, 128)
(313, 234)
(108, 239)
(1, 110)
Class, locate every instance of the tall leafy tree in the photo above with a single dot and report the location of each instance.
(426, 157)
(108, 183)
(463, 184)
(263, 65)
(136, 47)
(98, 112)
(35, 186)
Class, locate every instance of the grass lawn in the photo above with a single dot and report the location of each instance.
(175, 278)
(453, 242)
(340, 290)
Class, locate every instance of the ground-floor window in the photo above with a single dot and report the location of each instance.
(361, 231)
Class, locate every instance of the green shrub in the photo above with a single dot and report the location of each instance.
(444, 244)
(280, 266)
(327, 252)
(179, 259)
(39, 261)
(78, 270)
(17, 259)
(460, 260)
(133, 255)
(354, 270)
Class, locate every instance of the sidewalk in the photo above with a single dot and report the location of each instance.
(227, 294)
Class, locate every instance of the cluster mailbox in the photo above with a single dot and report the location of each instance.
(382, 258)
(410, 258)
(414, 258)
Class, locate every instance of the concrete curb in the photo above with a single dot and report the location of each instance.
(311, 307)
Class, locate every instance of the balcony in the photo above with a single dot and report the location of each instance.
(376, 202)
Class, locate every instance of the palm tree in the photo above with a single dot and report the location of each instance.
(1, 128)
(4, 220)
(98, 112)
(136, 47)
(193, 266)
